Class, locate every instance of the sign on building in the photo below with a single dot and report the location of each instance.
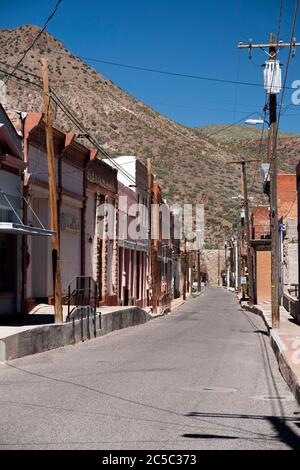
(70, 223)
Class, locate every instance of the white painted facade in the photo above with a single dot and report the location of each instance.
(39, 280)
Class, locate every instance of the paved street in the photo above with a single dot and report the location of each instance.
(203, 377)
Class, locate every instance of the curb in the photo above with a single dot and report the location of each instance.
(260, 313)
(279, 350)
(53, 336)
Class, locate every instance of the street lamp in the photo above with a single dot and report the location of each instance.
(256, 122)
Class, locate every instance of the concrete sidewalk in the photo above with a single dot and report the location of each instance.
(37, 332)
(285, 342)
(41, 315)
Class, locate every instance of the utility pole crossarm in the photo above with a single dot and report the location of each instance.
(261, 46)
(273, 48)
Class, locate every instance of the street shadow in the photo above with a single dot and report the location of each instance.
(208, 436)
(294, 321)
(262, 332)
(31, 319)
(280, 424)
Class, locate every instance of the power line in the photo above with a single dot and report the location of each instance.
(35, 40)
(20, 69)
(13, 75)
(81, 127)
(280, 19)
(274, 146)
(162, 72)
(231, 125)
(75, 121)
(259, 157)
(266, 101)
(150, 103)
(154, 102)
(288, 63)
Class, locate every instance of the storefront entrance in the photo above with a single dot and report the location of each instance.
(8, 273)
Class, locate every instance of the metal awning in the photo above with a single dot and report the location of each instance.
(20, 229)
(262, 244)
(130, 245)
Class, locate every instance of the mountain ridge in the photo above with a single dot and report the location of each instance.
(190, 165)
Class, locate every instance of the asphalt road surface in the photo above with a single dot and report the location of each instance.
(203, 377)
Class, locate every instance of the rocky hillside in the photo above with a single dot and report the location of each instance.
(247, 139)
(190, 165)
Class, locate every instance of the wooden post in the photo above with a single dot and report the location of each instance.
(219, 268)
(247, 235)
(149, 202)
(238, 256)
(274, 45)
(52, 195)
(273, 200)
(199, 270)
(190, 258)
(185, 271)
(154, 249)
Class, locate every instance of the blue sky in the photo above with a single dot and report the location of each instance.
(185, 36)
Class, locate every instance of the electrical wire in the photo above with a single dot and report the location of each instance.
(81, 127)
(162, 72)
(150, 101)
(34, 41)
(287, 67)
(280, 16)
(291, 207)
(231, 125)
(22, 79)
(20, 69)
(265, 106)
(274, 146)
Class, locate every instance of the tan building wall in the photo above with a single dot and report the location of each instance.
(263, 276)
(210, 262)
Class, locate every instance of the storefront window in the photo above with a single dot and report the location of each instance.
(7, 262)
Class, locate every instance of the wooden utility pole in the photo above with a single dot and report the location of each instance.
(245, 200)
(190, 258)
(149, 201)
(273, 199)
(219, 268)
(199, 270)
(185, 271)
(52, 195)
(226, 262)
(247, 236)
(154, 249)
(273, 47)
(238, 259)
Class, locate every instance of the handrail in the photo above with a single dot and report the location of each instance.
(83, 293)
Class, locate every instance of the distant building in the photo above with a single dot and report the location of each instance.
(288, 240)
(101, 257)
(261, 253)
(133, 250)
(288, 236)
